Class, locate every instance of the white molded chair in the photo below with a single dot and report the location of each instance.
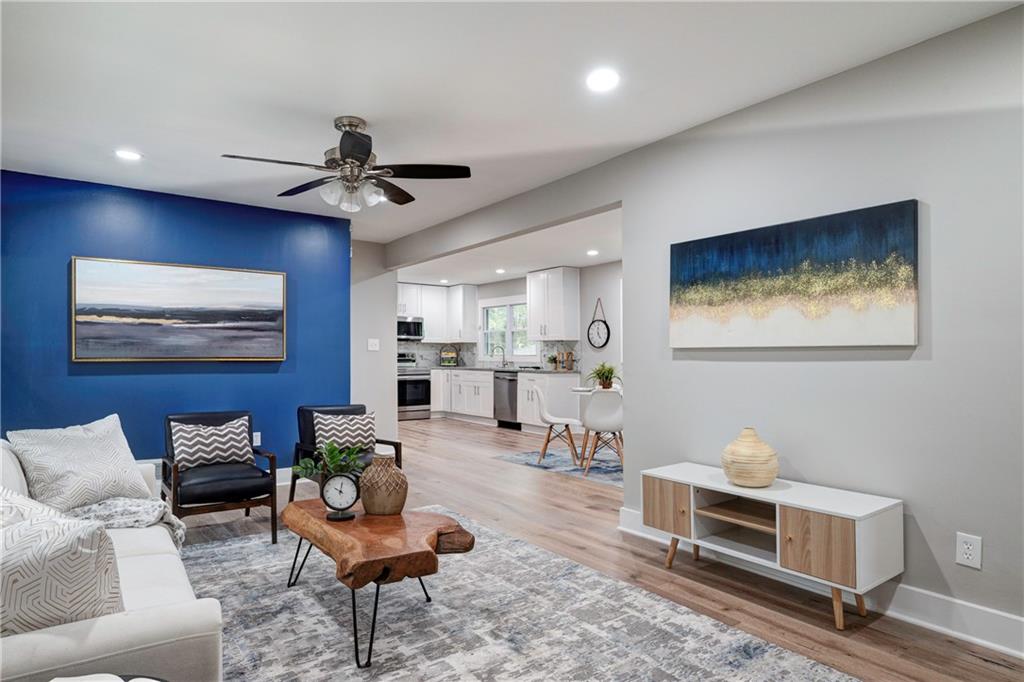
(558, 427)
(603, 419)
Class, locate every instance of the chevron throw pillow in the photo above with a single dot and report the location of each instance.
(196, 445)
(345, 430)
(78, 465)
(56, 570)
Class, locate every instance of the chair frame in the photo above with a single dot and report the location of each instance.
(170, 472)
(306, 450)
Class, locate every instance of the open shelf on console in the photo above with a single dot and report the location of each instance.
(744, 543)
(741, 511)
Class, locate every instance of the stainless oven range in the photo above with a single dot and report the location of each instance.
(413, 388)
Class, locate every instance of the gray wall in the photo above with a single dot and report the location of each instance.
(373, 316)
(601, 281)
(938, 426)
(508, 287)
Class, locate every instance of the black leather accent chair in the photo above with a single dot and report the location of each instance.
(306, 447)
(218, 487)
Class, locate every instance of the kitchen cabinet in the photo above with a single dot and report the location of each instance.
(558, 395)
(472, 393)
(440, 390)
(462, 314)
(553, 305)
(410, 300)
(434, 311)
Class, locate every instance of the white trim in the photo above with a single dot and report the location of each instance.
(481, 344)
(982, 625)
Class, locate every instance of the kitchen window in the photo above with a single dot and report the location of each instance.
(505, 325)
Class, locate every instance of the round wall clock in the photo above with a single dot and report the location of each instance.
(598, 333)
(339, 492)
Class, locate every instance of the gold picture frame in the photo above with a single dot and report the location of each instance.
(224, 310)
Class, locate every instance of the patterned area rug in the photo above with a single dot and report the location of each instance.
(605, 469)
(508, 610)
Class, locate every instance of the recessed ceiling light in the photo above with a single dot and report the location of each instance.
(603, 80)
(593, 252)
(127, 155)
(500, 271)
(444, 281)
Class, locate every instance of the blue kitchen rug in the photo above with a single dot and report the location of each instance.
(605, 469)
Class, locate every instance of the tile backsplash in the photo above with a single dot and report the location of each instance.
(429, 354)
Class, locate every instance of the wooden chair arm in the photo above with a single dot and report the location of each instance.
(271, 460)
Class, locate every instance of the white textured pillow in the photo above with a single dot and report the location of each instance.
(15, 508)
(78, 465)
(56, 570)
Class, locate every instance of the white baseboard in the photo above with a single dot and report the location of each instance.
(998, 630)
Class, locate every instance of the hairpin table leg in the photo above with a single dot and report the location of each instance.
(373, 622)
(293, 575)
(425, 593)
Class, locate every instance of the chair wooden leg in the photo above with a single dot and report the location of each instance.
(544, 448)
(672, 547)
(593, 451)
(247, 509)
(837, 607)
(619, 448)
(696, 552)
(583, 450)
(273, 517)
(861, 608)
(572, 444)
(291, 490)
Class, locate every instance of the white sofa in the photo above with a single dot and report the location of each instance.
(164, 630)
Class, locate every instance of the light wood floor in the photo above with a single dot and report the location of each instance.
(453, 463)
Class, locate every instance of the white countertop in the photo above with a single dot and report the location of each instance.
(506, 369)
(834, 501)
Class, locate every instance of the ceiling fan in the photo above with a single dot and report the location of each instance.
(355, 178)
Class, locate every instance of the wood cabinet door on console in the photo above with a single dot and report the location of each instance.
(818, 544)
(667, 506)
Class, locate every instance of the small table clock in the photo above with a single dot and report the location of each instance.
(339, 492)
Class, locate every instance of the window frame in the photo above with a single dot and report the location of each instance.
(507, 302)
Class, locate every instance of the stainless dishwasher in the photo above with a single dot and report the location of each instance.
(506, 384)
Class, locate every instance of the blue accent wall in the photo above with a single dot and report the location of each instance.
(46, 221)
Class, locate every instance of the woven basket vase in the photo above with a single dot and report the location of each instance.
(383, 487)
(749, 461)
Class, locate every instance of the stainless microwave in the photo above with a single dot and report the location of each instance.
(410, 328)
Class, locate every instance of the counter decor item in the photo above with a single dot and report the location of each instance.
(449, 356)
(337, 472)
(603, 375)
(750, 462)
(553, 361)
(383, 486)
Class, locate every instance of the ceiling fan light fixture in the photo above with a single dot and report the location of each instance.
(371, 194)
(350, 202)
(331, 192)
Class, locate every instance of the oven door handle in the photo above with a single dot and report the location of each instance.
(414, 378)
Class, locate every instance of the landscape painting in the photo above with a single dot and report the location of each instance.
(848, 279)
(128, 310)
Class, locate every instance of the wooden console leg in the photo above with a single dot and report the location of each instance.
(696, 552)
(673, 546)
(861, 608)
(837, 607)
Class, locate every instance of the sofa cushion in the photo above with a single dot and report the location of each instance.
(199, 444)
(223, 483)
(55, 570)
(129, 542)
(11, 475)
(15, 508)
(153, 580)
(78, 465)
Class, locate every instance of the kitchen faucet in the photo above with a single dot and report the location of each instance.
(504, 362)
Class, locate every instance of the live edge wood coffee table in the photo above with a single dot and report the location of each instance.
(374, 549)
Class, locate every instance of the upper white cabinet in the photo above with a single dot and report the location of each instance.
(434, 311)
(553, 305)
(462, 314)
(410, 300)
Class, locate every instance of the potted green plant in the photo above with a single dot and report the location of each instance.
(333, 460)
(553, 361)
(603, 374)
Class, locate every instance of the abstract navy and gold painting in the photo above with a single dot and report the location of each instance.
(847, 279)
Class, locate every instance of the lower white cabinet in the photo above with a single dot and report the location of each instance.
(440, 390)
(472, 393)
(557, 390)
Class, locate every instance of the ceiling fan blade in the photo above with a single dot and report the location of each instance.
(306, 186)
(356, 146)
(312, 166)
(394, 193)
(425, 171)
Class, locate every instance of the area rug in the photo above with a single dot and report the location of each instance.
(605, 469)
(508, 610)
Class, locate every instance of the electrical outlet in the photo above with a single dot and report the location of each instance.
(968, 550)
(256, 439)
(372, 344)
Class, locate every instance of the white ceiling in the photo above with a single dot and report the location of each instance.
(565, 244)
(495, 86)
